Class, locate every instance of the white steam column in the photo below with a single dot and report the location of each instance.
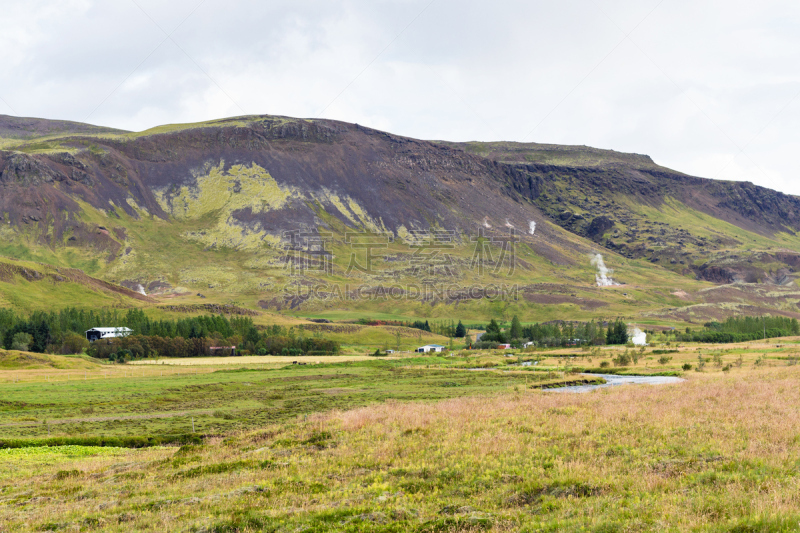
(603, 272)
(638, 337)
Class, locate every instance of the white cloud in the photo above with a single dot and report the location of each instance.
(701, 87)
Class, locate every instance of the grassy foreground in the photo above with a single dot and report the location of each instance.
(486, 452)
(144, 400)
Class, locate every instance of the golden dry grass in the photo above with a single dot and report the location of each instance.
(98, 372)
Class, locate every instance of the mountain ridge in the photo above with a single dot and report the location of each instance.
(122, 202)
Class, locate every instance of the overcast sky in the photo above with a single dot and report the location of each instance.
(708, 87)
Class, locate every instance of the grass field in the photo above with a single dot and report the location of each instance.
(412, 444)
(146, 400)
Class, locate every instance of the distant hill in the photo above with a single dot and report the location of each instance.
(25, 128)
(210, 207)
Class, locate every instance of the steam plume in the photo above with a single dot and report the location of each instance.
(602, 274)
(532, 227)
(639, 337)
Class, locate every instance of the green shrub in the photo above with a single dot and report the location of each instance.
(72, 343)
(622, 359)
(21, 341)
(189, 449)
(485, 345)
(66, 474)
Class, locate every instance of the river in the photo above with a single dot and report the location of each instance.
(613, 380)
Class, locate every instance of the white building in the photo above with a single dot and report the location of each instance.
(430, 348)
(106, 333)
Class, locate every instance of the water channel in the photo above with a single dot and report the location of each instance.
(613, 380)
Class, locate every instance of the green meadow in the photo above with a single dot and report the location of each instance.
(365, 441)
(145, 403)
(425, 444)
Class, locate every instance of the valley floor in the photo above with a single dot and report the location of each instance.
(414, 444)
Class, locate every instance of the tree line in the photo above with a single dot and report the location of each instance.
(740, 329)
(63, 331)
(555, 334)
(141, 346)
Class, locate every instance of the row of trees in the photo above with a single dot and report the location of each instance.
(742, 329)
(139, 346)
(756, 324)
(63, 332)
(557, 333)
(49, 331)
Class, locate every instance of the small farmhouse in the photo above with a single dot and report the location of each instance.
(95, 334)
(429, 348)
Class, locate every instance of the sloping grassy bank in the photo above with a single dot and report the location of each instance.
(569, 382)
(626, 371)
(16, 360)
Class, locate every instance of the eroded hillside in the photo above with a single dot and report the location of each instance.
(720, 231)
(235, 208)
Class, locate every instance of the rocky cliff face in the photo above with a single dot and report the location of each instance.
(623, 201)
